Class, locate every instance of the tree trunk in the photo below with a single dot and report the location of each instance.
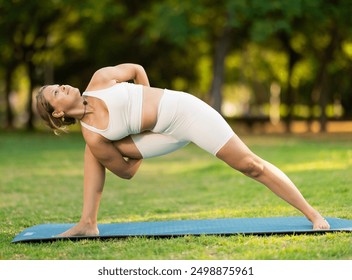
(346, 100)
(321, 87)
(290, 96)
(323, 101)
(222, 47)
(293, 58)
(29, 124)
(9, 113)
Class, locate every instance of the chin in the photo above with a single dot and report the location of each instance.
(78, 91)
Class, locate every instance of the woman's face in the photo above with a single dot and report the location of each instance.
(62, 97)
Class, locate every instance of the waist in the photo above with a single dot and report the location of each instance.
(135, 110)
(151, 101)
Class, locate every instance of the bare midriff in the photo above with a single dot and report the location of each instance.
(151, 100)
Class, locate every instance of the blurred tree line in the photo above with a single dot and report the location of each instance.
(292, 55)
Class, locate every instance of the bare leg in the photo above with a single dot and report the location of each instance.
(236, 154)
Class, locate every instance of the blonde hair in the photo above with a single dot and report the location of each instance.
(45, 111)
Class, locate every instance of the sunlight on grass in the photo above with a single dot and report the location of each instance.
(315, 165)
(330, 160)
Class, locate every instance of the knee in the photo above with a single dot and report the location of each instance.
(252, 167)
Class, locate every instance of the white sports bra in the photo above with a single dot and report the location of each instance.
(124, 103)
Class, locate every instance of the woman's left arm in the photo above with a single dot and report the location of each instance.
(120, 73)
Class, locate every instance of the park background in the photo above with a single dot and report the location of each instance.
(279, 71)
(267, 62)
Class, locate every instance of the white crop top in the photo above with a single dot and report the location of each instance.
(124, 103)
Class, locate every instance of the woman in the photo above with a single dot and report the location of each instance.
(122, 123)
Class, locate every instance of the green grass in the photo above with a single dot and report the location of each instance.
(41, 182)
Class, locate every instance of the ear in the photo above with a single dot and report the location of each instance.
(58, 114)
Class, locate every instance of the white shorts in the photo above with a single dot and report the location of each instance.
(183, 118)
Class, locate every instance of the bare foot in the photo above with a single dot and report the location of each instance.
(81, 230)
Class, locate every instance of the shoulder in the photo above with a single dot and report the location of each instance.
(102, 148)
(99, 146)
(103, 73)
(101, 79)
(92, 139)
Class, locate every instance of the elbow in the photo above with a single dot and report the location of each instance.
(126, 171)
(132, 170)
(123, 174)
(127, 175)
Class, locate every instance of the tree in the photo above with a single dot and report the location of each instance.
(25, 32)
(68, 40)
(326, 27)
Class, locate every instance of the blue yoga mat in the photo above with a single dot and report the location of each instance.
(256, 226)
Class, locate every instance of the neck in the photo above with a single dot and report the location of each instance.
(85, 103)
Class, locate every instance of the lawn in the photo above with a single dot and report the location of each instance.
(41, 182)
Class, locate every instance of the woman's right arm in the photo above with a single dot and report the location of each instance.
(94, 179)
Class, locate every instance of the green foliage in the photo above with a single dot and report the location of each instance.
(273, 17)
(42, 179)
(66, 41)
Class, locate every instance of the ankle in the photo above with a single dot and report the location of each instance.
(88, 222)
